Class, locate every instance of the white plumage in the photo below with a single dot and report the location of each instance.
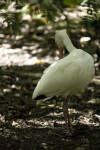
(66, 76)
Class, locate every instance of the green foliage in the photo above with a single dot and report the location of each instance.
(48, 8)
(10, 15)
(92, 20)
(72, 3)
(12, 12)
(50, 132)
(12, 22)
(93, 7)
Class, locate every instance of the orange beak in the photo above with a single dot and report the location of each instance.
(61, 49)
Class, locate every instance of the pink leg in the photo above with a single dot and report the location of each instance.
(66, 116)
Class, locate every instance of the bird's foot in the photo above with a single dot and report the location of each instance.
(72, 129)
(69, 131)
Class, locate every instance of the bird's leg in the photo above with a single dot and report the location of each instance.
(66, 115)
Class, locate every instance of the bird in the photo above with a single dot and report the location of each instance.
(67, 76)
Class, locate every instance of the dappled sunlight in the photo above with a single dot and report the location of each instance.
(88, 119)
(29, 53)
(21, 56)
(6, 90)
(96, 81)
(78, 12)
(2, 118)
(55, 114)
(85, 39)
(94, 101)
(53, 118)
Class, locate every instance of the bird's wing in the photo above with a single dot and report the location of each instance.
(52, 65)
(58, 78)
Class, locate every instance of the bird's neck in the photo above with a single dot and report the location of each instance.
(68, 44)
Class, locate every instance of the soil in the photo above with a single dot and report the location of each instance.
(26, 126)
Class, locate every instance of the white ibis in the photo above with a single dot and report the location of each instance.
(67, 76)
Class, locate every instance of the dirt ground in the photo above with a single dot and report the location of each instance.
(24, 125)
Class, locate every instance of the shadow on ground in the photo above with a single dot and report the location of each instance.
(26, 126)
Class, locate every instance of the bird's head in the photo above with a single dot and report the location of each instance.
(59, 38)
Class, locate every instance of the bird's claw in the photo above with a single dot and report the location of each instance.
(69, 131)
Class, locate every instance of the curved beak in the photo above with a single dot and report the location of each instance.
(61, 49)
